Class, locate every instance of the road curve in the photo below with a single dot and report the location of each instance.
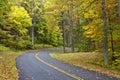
(40, 66)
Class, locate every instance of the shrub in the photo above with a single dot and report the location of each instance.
(41, 46)
(115, 60)
(3, 48)
(24, 44)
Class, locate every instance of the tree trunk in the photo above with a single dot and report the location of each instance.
(119, 7)
(111, 36)
(33, 34)
(79, 26)
(105, 33)
(63, 31)
(71, 28)
(33, 23)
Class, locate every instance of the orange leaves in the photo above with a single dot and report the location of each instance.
(111, 3)
(94, 16)
(90, 31)
(94, 29)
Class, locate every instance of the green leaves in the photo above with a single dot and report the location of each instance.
(15, 26)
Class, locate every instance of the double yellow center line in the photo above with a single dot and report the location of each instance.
(58, 69)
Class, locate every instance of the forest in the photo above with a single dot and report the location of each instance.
(81, 25)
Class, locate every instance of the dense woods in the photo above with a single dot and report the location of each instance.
(24, 25)
(85, 25)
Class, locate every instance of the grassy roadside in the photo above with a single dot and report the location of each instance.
(85, 60)
(8, 70)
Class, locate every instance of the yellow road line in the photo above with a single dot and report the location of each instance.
(58, 69)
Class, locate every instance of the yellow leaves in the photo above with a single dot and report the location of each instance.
(86, 15)
(48, 5)
(18, 23)
(85, 27)
(91, 14)
(19, 12)
(94, 15)
(87, 2)
(89, 30)
(65, 7)
(93, 30)
(91, 11)
(20, 17)
(55, 5)
(23, 31)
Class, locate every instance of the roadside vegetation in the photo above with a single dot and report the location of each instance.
(89, 60)
(8, 69)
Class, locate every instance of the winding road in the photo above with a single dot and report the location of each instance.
(40, 66)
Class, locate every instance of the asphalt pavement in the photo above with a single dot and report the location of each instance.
(40, 66)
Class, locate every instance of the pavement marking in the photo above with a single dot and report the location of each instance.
(58, 69)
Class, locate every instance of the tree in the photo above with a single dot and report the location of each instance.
(71, 27)
(4, 7)
(14, 28)
(119, 7)
(63, 30)
(105, 32)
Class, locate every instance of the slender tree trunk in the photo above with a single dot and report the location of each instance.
(112, 45)
(17, 38)
(119, 7)
(105, 33)
(32, 36)
(33, 23)
(78, 25)
(79, 36)
(111, 36)
(63, 31)
(71, 28)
